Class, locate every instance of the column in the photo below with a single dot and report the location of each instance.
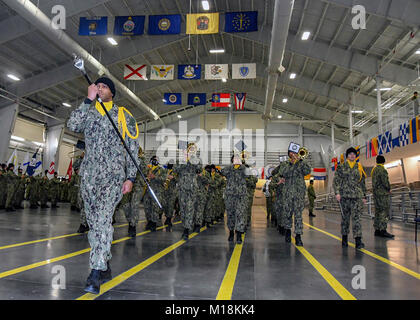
(379, 100)
(8, 117)
(351, 124)
(54, 137)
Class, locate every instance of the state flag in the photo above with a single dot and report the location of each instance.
(172, 98)
(135, 72)
(162, 72)
(244, 71)
(216, 71)
(196, 99)
(239, 101)
(129, 25)
(202, 23)
(164, 24)
(33, 165)
(220, 100)
(93, 27)
(189, 71)
(246, 21)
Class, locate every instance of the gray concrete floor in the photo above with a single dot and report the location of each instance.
(268, 269)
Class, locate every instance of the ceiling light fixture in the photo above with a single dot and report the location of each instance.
(418, 51)
(224, 80)
(357, 111)
(217, 50)
(279, 117)
(112, 41)
(179, 116)
(292, 75)
(285, 100)
(205, 4)
(66, 104)
(383, 89)
(13, 77)
(306, 35)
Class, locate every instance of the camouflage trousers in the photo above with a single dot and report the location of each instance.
(236, 206)
(268, 205)
(19, 197)
(43, 195)
(187, 208)
(212, 209)
(200, 205)
(151, 209)
(352, 209)
(249, 209)
(10, 196)
(3, 197)
(81, 205)
(131, 209)
(170, 203)
(382, 205)
(292, 208)
(311, 204)
(220, 206)
(54, 198)
(100, 200)
(73, 197)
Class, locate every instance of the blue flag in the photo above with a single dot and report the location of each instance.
(129, 25)
(93, 27)
(189, 71)
(172, 98)
(196, 99)
(165, 24)
(246, 21)
(33, 165)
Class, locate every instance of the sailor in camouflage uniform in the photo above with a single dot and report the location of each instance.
(156, 175)
(170, 194)
(350, 190)
(20, 190)
(74, 193)
(211, 212)
(107, 172)
(12, 178)
(3, 186)
(251, 184)
(293, 175)
(43, 190)
(187, 189)
(236, 198)
(203, 181)
(381, 193)
(54, 190)
(311, 198)
(220, 190)
(276, 188)
(32, 192)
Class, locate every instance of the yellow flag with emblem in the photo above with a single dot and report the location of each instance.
(202, 23)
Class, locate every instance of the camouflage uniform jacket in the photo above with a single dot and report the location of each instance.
(311, 192)
(251, 182)
(203, 181)
(294, 175)
(187, 175)
(105, 158)
(348, 182)
(380, 181)
(236, 180)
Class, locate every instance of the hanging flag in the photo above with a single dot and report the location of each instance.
(319, 173)
(404, 134)
(239, 100)
(135, 72)
(70, 169)
(189, 71)
(384, 142)
(129, 25)
(262, 173)
(374, 147)
(368, 154)
(334, 164)
(93, 27)
(342, 158)
(172, 98)
(395, 137)
(51, 170)
(246, 21)
(220, 100)
(414, 130)
(164, 24)
(25, 162)
(33, 165)
(244, 71)
(357, 153)
(13, 159)
(197, 99)
(216, 71)
(162, 72)
(202, 23)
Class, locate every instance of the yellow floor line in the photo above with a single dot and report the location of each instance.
(333, 282)
(53, 238)
(373, 255)
(66, 256)
(136, 269)
(226, 288)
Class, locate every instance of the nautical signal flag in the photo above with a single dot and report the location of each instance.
(173, 98)
(404, 134)
(246, 21)
(129, 25)
(357, 153)
(414, 130)
(93, 27)
(244, 71)
(239, 100)
(162, 72)
(164, 24)
(220, 100)
(135, 72)
(202, 23)
(196, 99)
(189, 71)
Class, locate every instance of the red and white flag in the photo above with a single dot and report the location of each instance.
(51, 170)
(319, 173)
(70, 169)
(240, 101)
(220, 100)
(135, 72)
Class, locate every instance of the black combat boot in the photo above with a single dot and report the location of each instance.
(33, 206)
(148, 225)
(231, 235)
(196, 228)
(359, 243)
(377, 233)
(344, 242)
(82, 228)
(1, 207)
(93, 283)
(311, 215)
(132, 231)
(298, 240)
(153, 226)
(10, 209)
(238, 237)
(208, 224)
(18, 207)
(185, 234)
(385, 234)
(168, 222)
(106, 275)
(73, 208)
(288, 235)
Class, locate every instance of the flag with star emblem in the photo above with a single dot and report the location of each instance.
(246, 21)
